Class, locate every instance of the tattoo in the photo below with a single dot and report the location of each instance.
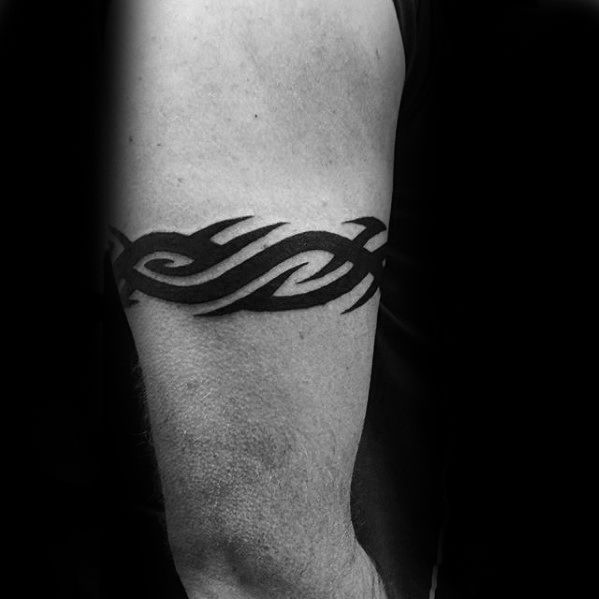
(140, 268)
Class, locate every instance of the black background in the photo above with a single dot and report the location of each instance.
(513, 165)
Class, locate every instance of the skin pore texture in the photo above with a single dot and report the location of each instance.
(243, 126)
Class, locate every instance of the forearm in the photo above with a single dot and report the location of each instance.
(256, 467)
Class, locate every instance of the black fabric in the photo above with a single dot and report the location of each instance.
(407, 293)
(483, 285)
(404, 424)
(407, 16)
(415, 19)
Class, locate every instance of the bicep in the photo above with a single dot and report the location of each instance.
(254, 153)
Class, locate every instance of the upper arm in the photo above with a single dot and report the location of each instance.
(283, 112)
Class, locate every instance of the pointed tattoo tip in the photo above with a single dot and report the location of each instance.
(233, 221)
(351, 308)
(273, 226)
(123, 240)
(357, 221)
(366, 221)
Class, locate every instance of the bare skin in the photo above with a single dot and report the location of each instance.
(286, 111)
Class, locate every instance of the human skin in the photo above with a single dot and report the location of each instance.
(284, 111)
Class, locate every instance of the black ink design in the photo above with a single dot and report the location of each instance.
(199, 253)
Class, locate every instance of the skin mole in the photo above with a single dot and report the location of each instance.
(192, 385)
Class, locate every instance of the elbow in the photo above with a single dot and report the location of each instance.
(267, 539)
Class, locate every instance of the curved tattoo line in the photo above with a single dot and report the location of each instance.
(201, 253)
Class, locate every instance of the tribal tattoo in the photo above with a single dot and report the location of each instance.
(141, 266)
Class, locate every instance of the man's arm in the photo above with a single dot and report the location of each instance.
(254, 154)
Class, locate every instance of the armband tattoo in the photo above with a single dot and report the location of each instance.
(162, 264)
